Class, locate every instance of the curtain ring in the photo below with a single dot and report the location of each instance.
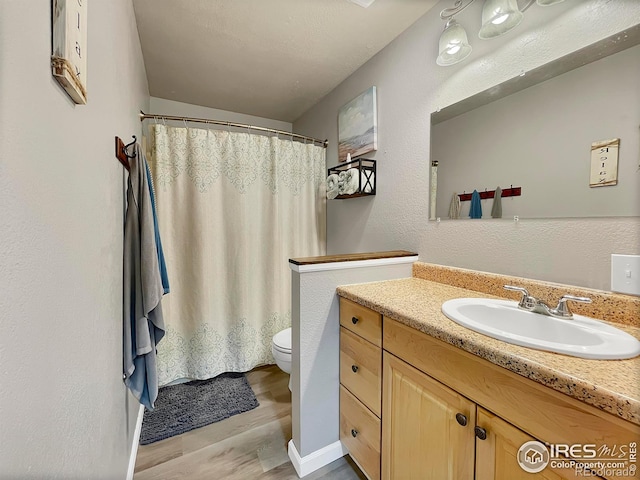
(164, 122)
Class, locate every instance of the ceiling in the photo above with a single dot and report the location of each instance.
(269, 58)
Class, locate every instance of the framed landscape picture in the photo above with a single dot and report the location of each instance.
(358, 126)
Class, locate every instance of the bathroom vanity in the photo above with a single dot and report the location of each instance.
(422, 397)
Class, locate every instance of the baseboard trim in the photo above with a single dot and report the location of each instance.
(315, 460)
(136, 442)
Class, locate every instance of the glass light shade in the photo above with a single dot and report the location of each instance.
(498, 17)
(454, 44)
(546, 3)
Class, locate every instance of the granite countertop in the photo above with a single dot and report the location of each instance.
(611, 385)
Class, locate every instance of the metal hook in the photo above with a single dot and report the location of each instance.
(124, 149)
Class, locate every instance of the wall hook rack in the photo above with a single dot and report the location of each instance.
(121, 151)
(507, 192)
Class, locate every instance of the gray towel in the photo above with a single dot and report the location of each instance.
(143, 322)
(454, 208)
(496, 209)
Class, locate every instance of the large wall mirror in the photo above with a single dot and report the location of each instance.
(536, 132)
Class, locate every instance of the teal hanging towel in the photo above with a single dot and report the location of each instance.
(476, 207)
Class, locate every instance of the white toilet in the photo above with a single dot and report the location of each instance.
(281, 350)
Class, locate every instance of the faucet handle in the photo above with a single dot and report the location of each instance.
(517, 289)
(562, 310)
(527, 301)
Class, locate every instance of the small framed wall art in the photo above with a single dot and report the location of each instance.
(69, 56)
(604, 163)
(358, 126)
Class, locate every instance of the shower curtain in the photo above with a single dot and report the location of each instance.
(232, 209)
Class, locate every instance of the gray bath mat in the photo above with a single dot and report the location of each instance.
(181, 408)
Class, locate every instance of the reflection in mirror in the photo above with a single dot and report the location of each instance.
(539, 137)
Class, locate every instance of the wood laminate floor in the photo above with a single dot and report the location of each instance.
(249, 446)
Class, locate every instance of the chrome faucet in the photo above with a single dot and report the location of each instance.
(532, 304)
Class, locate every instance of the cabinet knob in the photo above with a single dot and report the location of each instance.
(481, 433)
(354, 433)
(354, 320)
(461, 419)
(354, 368)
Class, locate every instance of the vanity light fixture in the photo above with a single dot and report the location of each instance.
(498, 17)
(367, 3)
(454, 45)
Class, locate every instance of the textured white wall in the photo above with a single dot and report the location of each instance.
(410, 86)
(64, 411)
(170, 107)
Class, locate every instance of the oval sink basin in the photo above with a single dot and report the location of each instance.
(579, 337)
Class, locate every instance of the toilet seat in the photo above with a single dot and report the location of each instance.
(281, 350)
(282, 341)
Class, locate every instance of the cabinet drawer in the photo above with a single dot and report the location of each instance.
(360, 433)
(360, 369)
(361, 320)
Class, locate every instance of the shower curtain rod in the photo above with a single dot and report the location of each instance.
(144, 116)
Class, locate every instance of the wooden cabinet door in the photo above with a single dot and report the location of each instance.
(497, 455)
(421, 437)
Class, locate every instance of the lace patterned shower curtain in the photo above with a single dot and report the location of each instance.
(232, 209)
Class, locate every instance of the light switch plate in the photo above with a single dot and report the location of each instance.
(625, 274)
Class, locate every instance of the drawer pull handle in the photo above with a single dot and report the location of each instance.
(354, 368)
(461, 419)
(481, 433)
(354, 433)
(354, 320)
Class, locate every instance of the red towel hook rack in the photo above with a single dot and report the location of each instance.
(507, 192)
